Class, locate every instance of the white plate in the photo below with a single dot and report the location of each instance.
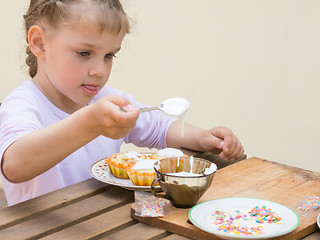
(200, 216)
(101, 172)
(318, 220)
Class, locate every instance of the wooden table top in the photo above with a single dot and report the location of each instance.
(86, 210)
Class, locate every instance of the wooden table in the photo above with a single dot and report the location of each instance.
(91, 210)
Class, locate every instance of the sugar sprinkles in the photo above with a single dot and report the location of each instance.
(152, 210)
(232, 221)
(311, 203)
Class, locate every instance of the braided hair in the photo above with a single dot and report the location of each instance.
(108, 14)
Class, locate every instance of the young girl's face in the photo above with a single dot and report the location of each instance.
(77, 64)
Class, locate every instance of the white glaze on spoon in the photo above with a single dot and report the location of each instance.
(176, 107)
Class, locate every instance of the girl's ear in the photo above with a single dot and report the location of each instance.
(36, 38)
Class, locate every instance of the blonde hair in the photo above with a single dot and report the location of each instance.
(106, 14)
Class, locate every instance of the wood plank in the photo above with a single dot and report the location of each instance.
(68, 215)
(175, 221)
(48, 202)
(313, 236)
(251, 178)
(259, 182)
(139, 231)
(176, 237)
(95, 226)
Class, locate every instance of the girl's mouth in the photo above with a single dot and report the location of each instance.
(90, 90)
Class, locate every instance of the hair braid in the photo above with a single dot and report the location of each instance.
(36, 9)
(34, 13)
(32, 62)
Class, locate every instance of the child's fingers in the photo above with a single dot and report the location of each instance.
(211, 143)
(226, 136)
(109, 112)
(236, 151)
(126, 109)
(119, 101)
(127, 118)
(231, 146)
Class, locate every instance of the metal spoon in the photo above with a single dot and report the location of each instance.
(171, 106)
(147, 109)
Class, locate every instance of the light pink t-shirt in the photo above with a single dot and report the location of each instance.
(26, 109)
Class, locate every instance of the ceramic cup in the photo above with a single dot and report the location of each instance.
(183, 180)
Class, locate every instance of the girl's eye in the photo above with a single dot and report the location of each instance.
(84, 54)
(110, 56)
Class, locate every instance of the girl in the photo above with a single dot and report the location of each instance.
(54, 127)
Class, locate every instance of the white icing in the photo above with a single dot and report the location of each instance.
(132, 154)
(144, 164)
(191, 163)
(181, 118)
(185, 174)
(170, 152)
(175, 106)
(211, 169)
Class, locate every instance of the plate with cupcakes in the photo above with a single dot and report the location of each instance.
(131, 170)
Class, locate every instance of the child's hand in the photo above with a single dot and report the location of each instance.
(222, 140)
(115, 116)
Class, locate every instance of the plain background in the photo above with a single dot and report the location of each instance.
(250, 65)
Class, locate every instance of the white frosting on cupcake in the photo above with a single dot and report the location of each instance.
(132, 154)
(144, 164)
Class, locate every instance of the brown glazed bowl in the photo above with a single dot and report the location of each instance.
(183, 180)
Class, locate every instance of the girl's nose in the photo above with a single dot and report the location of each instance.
(98, 69)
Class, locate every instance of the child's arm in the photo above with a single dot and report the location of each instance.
(216, 140)
(40, 150)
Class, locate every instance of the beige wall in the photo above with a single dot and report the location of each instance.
(250, 65)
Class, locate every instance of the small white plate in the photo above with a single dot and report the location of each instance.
(318, 220)
(101, 172)
(200, 216)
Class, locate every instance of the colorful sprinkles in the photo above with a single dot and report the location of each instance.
(152, 210)
(311, 203)
(229, 221)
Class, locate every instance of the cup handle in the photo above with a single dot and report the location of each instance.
(153, 190)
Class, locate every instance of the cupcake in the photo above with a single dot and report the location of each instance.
(118, 163)
(141, 173)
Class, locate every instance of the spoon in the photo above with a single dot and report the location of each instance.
(171, 106)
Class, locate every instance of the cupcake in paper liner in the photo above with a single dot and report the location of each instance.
(141, 173)
(118, 163)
